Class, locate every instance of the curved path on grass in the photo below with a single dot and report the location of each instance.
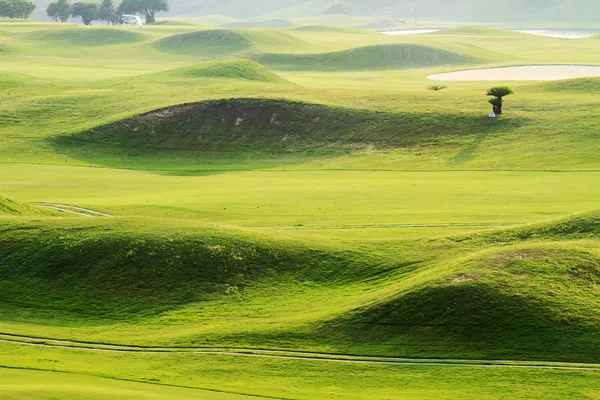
(82, 212)
(525, 73)
(291, 355)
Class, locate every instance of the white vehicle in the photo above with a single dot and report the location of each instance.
(131, 20)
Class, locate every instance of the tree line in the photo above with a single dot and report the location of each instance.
(106, 11)
(16, 8)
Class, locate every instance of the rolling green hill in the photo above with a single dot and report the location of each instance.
(228, 43)
(270, 23)
(87, 36)
(272, 126)
(245, 70)
(247, 226)
(389, 56)
(14, 208)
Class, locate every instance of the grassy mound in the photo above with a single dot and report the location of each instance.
(235, 69)
(270, 125)
(391, 56)
(534, 297)
(384, 23)
(584, 85)
(328, 28)
(14, 208)
(89, 36)
(124, 271)
(228, 42)
(514, 303)
(214, 20)
(175, 22)
(475, 30)
(269, 23)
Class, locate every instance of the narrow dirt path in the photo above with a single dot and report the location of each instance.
(292, 355)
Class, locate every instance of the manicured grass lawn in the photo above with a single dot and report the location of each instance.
(365, 215)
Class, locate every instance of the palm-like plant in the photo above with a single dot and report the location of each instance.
(498, 93)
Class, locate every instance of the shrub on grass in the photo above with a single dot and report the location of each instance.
(497, 101)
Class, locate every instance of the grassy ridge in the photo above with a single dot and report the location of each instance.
(389, 56)
(524, 292)
(319, 208)
(122, 272)
(12, 208)
(273, 125)
(220, 43)
(84, 36)
(244, 70)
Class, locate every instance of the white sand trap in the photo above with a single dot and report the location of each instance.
(528, 73)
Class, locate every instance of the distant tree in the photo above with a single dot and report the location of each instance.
(16, 8)
(338, 7)
(59, 10)
(148, 8)
(107, 12)
(498, 93)
(52, 11)
(87, 11)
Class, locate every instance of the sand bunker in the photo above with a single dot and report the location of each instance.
(528, 73)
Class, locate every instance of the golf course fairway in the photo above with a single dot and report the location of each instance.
(191, 212)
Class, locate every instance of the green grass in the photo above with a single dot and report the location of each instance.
(374, 57)
(86, 36)
(320, 200)
(237, 69)
(220, 43)
(12, 207)
(40, 385)
(270, 23)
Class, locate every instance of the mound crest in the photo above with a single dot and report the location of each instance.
(9, 207)
(269, 23)
(391, 56)
(584, 85)
(512, 303)
(90, 36)
(264, 124)
(329, 28)
(135, 273)
(236, 69)
(228, 42)
(475, 30)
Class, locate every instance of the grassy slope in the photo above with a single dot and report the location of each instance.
(40, 385)
(221, 43)
(367, 58)
(244, 70)
(525, 292)
(272, 125)
(12, 208)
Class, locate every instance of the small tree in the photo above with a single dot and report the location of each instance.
(498, 93)
(148, 8)
(59, 10)
(87, 11)
(16, 8)
(107, 12)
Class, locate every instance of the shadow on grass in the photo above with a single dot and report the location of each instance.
(251, 134)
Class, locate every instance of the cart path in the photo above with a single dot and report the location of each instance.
(291, 355)
(80, 211)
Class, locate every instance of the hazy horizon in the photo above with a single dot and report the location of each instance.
(518, 13)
